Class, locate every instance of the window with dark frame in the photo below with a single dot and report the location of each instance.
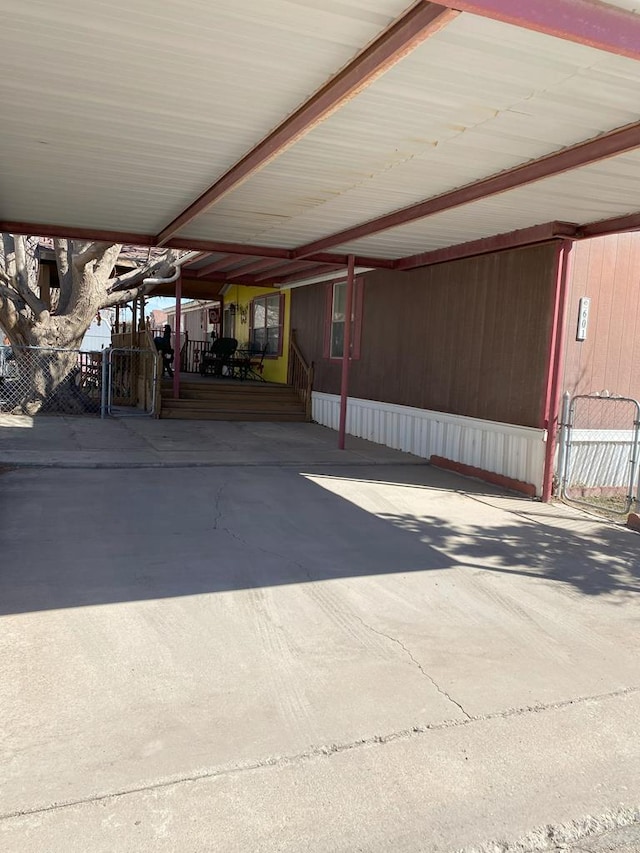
(266, 323)
(336, 317)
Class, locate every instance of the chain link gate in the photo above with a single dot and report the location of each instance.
(131, 382)
(47, 380)
(599, 452)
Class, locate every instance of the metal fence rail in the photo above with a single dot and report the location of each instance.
(599, 452)
(48, 380)
(131, 381)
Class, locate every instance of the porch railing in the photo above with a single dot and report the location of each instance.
(300, 375)
(191, 354)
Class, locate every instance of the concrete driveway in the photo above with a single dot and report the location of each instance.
(307, 656)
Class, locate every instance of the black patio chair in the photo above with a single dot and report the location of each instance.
(249, 363)
(219, 356)
(256, 360)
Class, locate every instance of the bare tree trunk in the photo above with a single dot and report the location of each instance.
(47, 372)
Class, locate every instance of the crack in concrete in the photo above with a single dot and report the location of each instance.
(408, 652)
(566, 836)
(217, 507)
(238, 538)
(324, 751)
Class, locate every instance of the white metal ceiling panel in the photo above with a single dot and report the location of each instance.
(476, 98)
(600, 191)
(118, 114)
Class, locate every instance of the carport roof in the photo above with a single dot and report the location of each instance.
(278, 137)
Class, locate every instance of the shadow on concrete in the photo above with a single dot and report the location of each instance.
(605, 561)
(78, 538)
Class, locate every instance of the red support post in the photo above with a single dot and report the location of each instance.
(176, 346)
(556, 365)
(346, 352)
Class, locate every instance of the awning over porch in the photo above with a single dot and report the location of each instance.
(279, 137)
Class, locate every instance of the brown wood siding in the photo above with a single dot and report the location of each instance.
(606, 269)
(468, 337)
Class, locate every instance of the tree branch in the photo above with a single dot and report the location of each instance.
(117, 297)
(107, 262)
(9, 254)
(9, 293)
(62, 249)
(130, 279)
(127, 279)
(93, 252)
(21, 276)
(8, 315)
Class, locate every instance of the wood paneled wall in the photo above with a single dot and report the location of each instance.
(606, 269)
(468, 337)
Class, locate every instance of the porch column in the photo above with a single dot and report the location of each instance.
(556, 364)
(346, 353)
(176, 346)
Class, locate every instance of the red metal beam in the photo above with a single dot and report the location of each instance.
(250, 269)
(311, 272)
(593, 150)
(72, 233)
(556, 363)
(220, 264)
(245, 250)
(595, 24)
(628, 222)
(177, 355)
(510, 240)
(285, 269)
(360, 260)
(209, 247)
(346, 355)
(390, 47)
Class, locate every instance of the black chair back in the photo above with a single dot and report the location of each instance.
(224, 347)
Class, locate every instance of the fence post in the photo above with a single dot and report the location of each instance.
(635, 457)
(564, 432)
(104, 382)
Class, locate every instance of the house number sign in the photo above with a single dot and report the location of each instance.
(583, 318)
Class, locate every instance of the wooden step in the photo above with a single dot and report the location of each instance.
(234, 405)
(221, 415)
(248, 394)
(228, 384)
(232, 400)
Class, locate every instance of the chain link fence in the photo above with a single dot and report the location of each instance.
(599, 452)
(116, 381)
(36, 380)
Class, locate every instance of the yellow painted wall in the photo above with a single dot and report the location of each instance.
(275, 369)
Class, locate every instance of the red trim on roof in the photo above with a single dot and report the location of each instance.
(497, 243)
(598, 25)
(616, 225)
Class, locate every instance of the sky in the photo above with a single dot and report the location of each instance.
(159, 302)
